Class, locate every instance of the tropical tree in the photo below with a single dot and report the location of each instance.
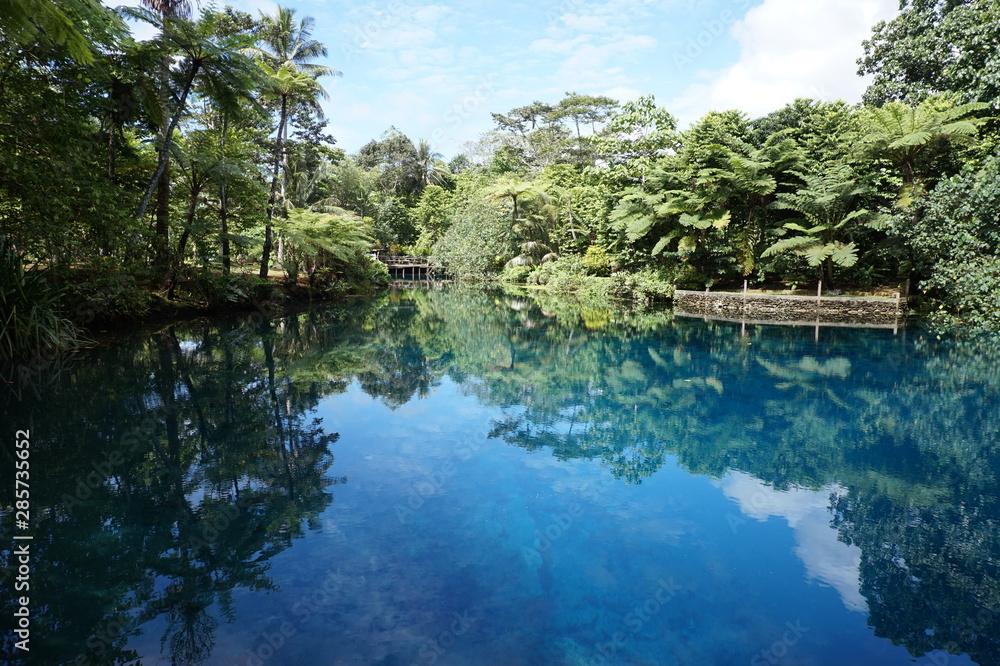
(709, 203)
(633, 140)
(286, 49)
(29, 21)
(318, 240)
(225, 75)
(582, 109)
(828, 204)
(934, 47)
(532, 229)
(165, 9)
(514, 188)
(905, 134)
(430, 164)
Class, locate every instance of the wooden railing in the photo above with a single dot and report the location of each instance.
(404, 261)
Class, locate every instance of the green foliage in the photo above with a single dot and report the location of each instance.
(907, 136)
(707, 209)
(477, 243)
(935, 47)
(27, 22)
(828, 204)
(597, 261)
(634, 139)
(954, 233)
(31, 319)
(645, 287)
(214, 289)
(431, 215)
(316, 240)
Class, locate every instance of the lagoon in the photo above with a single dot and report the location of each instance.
(453, 476)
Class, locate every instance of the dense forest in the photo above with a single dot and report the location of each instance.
(195, 169)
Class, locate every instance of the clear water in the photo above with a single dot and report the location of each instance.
(461, 477)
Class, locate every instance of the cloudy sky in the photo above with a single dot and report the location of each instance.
(436, 70)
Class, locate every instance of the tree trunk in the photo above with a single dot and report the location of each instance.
(179, 257)
(224, 207)
(265, 259)
(163, 184)
(164, 156)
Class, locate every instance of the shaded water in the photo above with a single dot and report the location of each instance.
(452, 477)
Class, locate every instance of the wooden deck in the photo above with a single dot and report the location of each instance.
(416, 268)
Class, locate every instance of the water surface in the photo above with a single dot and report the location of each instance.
(462, 477)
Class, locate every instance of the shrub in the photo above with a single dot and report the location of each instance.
(31, 319)
(954, 233)
(645, 287)
(597, 261)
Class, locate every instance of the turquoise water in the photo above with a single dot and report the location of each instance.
(460, 477)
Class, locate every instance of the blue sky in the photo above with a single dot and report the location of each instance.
(436, 70)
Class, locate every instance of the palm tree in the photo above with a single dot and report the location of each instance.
(288, 87)
(29, 21)
(285, 49)
(430, 164)
(903, 133)
(827, 203)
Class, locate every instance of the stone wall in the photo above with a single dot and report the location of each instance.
(779, 308)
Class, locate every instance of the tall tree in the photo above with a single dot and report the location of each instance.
(906, 135)
(286, 50)
(165, 9)
(225, 74)
(935, 46)
(828, 205)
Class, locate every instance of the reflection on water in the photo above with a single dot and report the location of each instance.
(453, 476)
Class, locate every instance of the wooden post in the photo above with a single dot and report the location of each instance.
(744, 310)
(819, 293)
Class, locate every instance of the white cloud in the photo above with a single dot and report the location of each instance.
(826, 558)
(788, 49)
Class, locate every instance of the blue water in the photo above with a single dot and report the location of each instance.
(494, 480)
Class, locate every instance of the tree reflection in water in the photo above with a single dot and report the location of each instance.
(203, 461)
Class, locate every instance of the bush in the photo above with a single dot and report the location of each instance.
(597, 261)
(31, 318)
(645, 287)
(954, 234)
(477, 243)
(220, 289)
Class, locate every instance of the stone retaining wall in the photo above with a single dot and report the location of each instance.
(848, 309)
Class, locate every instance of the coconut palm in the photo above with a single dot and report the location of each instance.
(430, 164)
(285, 50)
